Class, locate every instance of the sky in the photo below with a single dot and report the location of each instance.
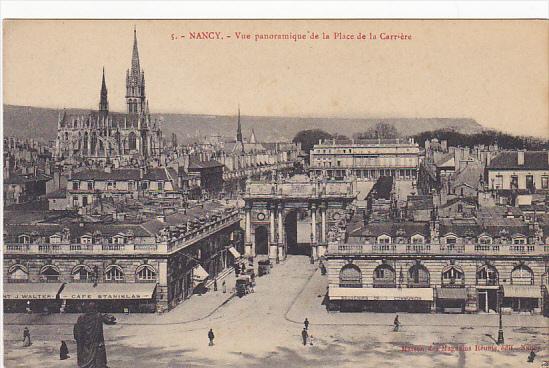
(495, 72)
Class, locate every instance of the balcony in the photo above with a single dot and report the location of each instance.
(163, 247)
(336, 249)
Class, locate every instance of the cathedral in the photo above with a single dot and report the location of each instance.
(102, 136)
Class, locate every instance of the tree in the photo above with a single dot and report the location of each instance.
(308, 138)
(379, 131)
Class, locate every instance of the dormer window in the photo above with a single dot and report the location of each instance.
(90, 185)
(25, 239)
(55, 239)
(75, 185)
(384, 239)
(451, 240)
(86, 239)
(519, 240)
(418, 239)
(485, 240)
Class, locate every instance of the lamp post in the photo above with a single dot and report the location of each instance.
(500, 331)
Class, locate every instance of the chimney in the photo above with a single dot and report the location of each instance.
(520, 158)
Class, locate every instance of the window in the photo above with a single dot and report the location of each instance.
(146, 273)
(514, 182)
(90, 185)
(86, 239)
(160, 185)
(18, 273)
(499, 182)
(49, 273)
(522, 275)
(545, 182)
(519, 240)
(82, 273)
(487, 275)
(75, 185)
(25, 239)
(452, 273)
(384, 276)
(114, 273)
(485, 240)
(145, 185)
(384, 239)
(418, 276)
(417, 239)
(55, 239)
(75, 201)
(130, 185)
(451, 240)
(350, 276)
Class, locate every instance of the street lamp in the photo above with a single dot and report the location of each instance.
(500, 331)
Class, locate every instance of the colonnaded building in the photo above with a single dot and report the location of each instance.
(102, 135)
(366, 159)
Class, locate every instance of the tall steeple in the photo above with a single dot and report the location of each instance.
(136, 70)
(103, 100)
(135, 82)
(239, 128)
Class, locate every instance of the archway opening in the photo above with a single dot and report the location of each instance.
(261, 240)
(290, 230)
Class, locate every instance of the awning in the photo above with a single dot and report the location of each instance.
(31, 290)
(452, 293)
(234, 252)
(199, 273)
(107, 291)
(521, 291)
(337, 293)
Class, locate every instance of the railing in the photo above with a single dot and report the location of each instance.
(384, 283)
(300, 189)
(129, 248)
(436, 249)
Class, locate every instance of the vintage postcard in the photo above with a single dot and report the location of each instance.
(275, 193)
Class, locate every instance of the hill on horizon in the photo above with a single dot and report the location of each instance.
(41, 124)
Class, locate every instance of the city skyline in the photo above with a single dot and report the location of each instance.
(476, 78)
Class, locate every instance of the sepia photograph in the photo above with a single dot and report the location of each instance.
(275, 192)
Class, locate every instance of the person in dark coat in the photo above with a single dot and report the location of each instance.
(531, 357)
(306, 323)
(90, 342)
(304, 335)
(26, 337)
(63, 351)
(211, 337)
(396, 323)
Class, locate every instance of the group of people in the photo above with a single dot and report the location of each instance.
(63, 350)
(305, 334)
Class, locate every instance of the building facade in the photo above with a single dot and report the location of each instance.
(145, 267)
(446, 265)
(366, 159)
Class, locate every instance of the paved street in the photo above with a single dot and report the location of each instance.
(263, 329)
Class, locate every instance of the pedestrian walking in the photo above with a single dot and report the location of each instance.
(28, 308)
(26, 337)
(306, 323)
(224, 285)
(63, 351)
(396, 324)
(215, 284)
(311, 338)
(304, 335)
(531, 356)
(211, 337)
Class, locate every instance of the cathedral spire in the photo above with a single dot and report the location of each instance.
(136, 69)
(103, 100)
(239, 128)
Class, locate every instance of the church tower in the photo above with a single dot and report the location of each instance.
(103, 100)
(135, 83)
(239, 128)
